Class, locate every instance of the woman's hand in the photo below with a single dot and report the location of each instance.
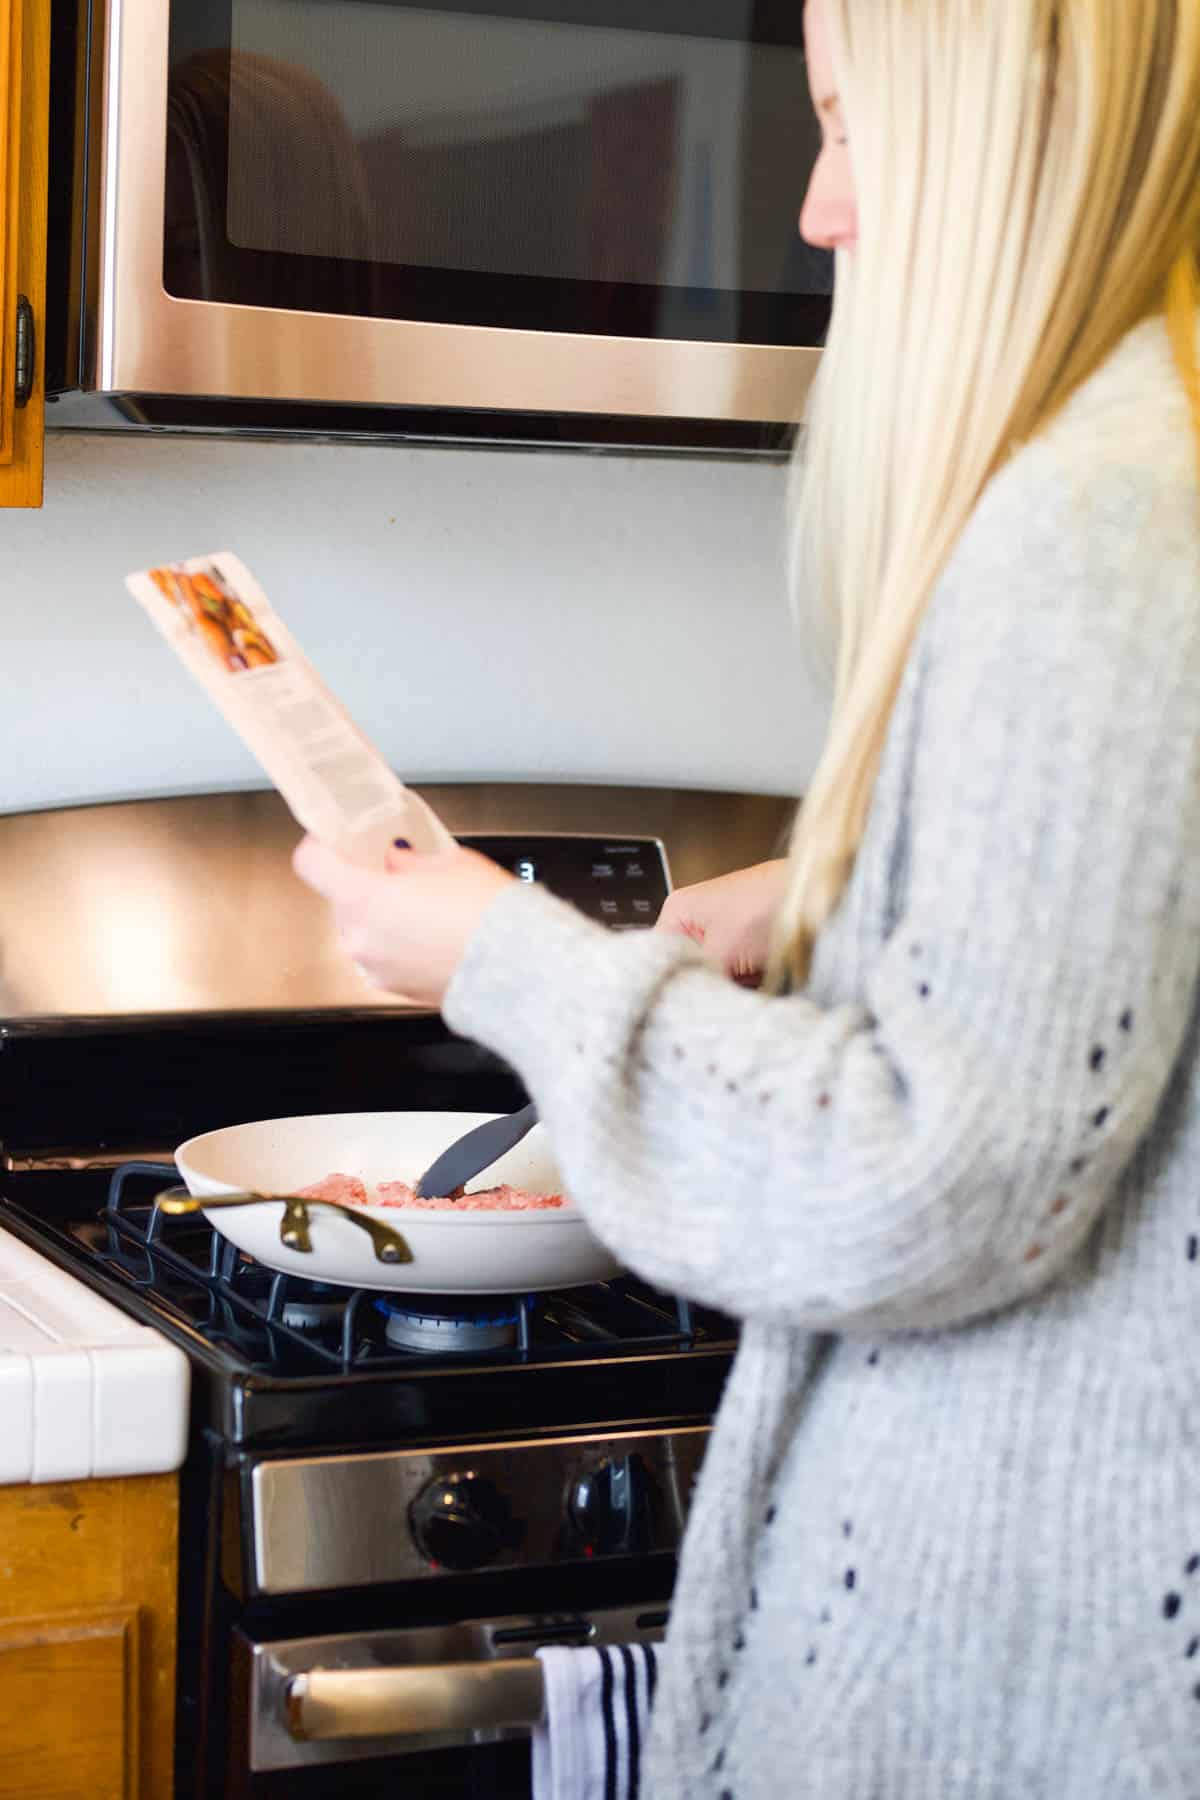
(406, 927)
(730, 917)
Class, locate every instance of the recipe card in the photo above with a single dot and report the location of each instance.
(337, 786)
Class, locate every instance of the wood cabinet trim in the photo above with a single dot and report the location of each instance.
(24, 190)
(10, 192)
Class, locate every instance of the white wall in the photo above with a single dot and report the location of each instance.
(500, 614)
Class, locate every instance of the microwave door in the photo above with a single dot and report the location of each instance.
(544, 208)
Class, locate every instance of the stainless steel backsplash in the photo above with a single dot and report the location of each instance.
(190, 905)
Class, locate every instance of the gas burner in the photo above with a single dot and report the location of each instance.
(450, 1322)
(313, 1305)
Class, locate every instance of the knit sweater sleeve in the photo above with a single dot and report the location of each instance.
(944, 1145)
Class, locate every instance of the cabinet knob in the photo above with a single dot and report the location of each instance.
(26, 351)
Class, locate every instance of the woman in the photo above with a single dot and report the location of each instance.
(946, 1167)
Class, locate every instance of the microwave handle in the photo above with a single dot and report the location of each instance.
(405, 1702)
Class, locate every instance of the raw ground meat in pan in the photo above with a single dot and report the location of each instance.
(348, 1190)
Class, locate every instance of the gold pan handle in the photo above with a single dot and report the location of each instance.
(294, 1234)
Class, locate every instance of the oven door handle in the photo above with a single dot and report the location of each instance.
(407, 1702)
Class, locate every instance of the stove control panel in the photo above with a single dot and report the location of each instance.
(415, 1514)
(621, 882)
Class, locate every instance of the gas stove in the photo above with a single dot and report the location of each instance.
(366, 1469)
(385, 1483)
(281, 1360)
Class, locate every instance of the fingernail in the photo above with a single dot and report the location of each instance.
(401, 843)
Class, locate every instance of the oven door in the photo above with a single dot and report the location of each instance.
(443, 1711)
(537, 205)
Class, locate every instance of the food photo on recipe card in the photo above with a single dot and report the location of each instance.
(220, 624)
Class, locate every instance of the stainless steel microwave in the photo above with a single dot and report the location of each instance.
(557, 220)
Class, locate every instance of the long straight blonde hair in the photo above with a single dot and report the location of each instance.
(1028, 184)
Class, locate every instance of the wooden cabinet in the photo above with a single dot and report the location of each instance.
(87, 1639)
(24, 131)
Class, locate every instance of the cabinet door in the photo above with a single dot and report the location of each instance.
(88, 1574)
(24, 129)
(68, 1724)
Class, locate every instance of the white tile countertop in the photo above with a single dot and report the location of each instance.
(84, 1390)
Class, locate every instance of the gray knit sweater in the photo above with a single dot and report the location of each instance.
(947, 1538)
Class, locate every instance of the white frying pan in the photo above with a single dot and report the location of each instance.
(443, 1251)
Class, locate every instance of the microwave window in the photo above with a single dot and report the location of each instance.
(570, 170)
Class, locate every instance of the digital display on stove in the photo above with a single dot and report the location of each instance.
(622, 882)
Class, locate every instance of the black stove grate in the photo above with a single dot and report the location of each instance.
(284, 1325)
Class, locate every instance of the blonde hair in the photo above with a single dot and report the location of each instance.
(1028, 181)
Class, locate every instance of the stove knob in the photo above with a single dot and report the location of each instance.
(461, 1521)
(612, 1506)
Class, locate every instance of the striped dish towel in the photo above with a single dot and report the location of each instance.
(589, 1743)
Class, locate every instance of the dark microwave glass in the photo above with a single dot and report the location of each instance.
(599, 166)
